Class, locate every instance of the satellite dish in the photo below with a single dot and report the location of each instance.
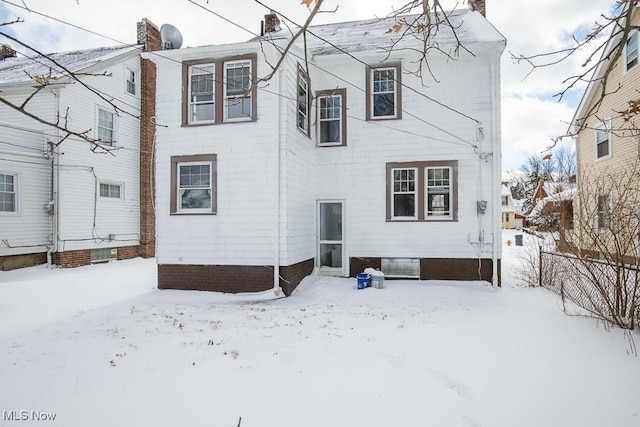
(170, 36)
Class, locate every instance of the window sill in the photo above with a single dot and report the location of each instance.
(192, 213)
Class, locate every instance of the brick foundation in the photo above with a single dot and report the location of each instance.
(231, 278)
(436, 268)
(72, 259)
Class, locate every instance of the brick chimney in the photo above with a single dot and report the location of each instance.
(149, 36)
(479, 6)
(7, 52)
(271, 23)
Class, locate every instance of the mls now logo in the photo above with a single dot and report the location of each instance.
(28, 415)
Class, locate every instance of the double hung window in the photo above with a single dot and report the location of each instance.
(237, 95)
(383, 93)
(106, 127)
(422, 191)
(331, 117)
(201, 93)
(603, 139)
(193, 184)
(8, 193)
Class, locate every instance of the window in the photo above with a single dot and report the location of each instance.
(193, 184)
(505, 200)
(304, 101)
(604, 210)
(131, 80)
(219, 90)
(404, 193)
(8, 193)
(237, 96)
(112, 191)
(106, 127)
(631, 51)
(506, 217)
(603, 139)
(383, 93)
(439, 192)
(201, 93)
(332, 117)
(422, 191)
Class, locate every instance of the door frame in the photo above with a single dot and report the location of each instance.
(329, 271)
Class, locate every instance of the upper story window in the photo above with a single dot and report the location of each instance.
(505, 200)
(201, 93)
(383, 93)
(219, 90)
(106, 127)
(631, 51)
(131, 81)
(304, 102)
(237, 95)
(604, 210)
(422, 191)
(193, 184)
(111, 191)
(332, 117)
(8, 193)
(603, 139)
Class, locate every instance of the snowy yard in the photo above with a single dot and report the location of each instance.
(101, 346)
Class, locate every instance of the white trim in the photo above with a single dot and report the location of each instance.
(114, 129)
(202, 71)
(179, 208)
(395, 93)
(136, 81)
(449, 216)
(17, 191)
(321, 120)
(120, 185)
(226, 99)
(342, 271)
(632, 34)
(603, 125)
(416, 187)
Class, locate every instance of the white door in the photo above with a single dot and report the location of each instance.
(330, 238)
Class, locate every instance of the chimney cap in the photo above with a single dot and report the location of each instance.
(271, 22)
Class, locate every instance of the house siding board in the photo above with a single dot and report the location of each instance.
(355, 173)
(29, 230)
(243, 229)
(83, 169)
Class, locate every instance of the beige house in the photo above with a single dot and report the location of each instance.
(508, 210)
(607, 142)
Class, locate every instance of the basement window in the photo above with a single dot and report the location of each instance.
(401, 267)
(104, 254)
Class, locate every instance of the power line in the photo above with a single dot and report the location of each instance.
(298, 57)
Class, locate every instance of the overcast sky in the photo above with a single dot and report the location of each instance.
(531, 116)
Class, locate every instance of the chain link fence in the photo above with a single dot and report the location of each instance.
(606, 290)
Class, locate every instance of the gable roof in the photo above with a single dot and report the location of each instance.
(372, 35)
(19, 70)
(598, 73)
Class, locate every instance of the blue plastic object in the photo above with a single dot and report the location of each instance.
(364, 280)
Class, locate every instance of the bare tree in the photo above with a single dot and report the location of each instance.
(602, 273)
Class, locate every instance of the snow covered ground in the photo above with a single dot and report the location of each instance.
(101, 346)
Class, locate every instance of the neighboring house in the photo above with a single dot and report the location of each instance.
(553, 208)
(520, 218)
(508, 209)
(61, 200)
(607, 143)
(336, 164)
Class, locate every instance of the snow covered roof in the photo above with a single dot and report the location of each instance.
(372, 35)
(565, 195)
(19, 70)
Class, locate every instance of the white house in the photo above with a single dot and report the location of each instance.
(62, 199)
(341, 162)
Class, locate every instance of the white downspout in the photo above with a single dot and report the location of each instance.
(495, 169)
(55, 176)
(276, 255)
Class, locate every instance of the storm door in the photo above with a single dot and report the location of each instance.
(330, 237)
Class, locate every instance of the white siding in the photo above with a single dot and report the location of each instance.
(86, 220)
(243, 230)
